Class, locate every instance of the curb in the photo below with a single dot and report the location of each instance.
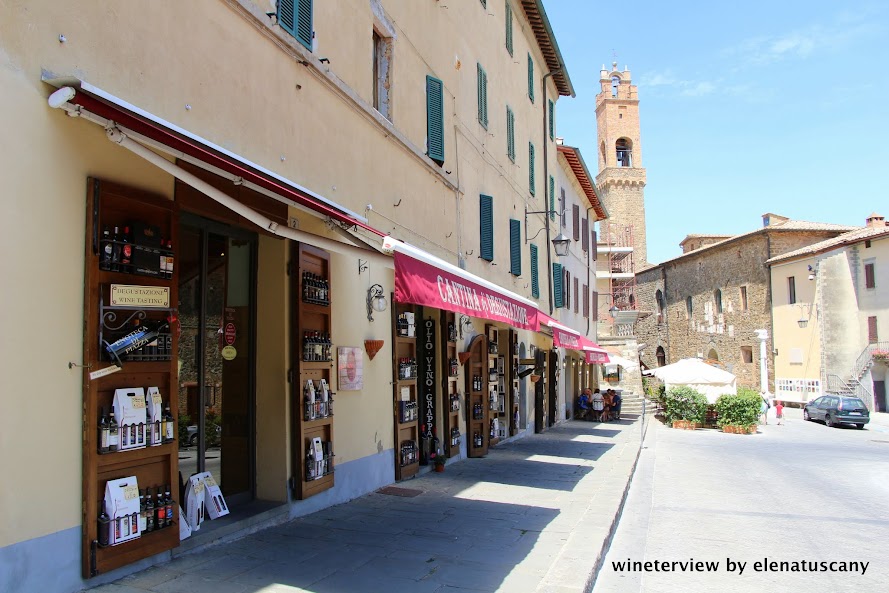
(612, 528)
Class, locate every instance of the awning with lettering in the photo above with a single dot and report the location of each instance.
(565, 337)
(423, 279)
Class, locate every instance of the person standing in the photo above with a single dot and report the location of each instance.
(779, 412)
(764, 409)
(598, 404)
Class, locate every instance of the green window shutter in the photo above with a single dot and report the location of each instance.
(557, 285)
(515, 247)
(552, 122)
(435, 120)
(482, 97)
(286, 16)
(508, 27)
(510, 134)
(535, 282)
(304, 23)
(531, 168)
(486, 227)
(530, 78)
(552, 198)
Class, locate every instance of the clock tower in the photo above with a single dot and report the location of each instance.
(621, 178)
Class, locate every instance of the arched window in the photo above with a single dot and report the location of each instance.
(661, 356)
(624, 150)
(659, 302)
(615, 84)
(712, 355)
(717, 296)
(688, 307)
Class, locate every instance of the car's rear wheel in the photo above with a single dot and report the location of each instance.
(828, 420)
(806, 414)
(193, 440)
(859, 426)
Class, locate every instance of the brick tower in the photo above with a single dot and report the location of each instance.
(621, 178)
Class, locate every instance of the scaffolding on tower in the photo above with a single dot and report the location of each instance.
(616, 244)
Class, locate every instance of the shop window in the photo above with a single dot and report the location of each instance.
(747, 354)
(435, 120)
(482, 83)
(295, 17)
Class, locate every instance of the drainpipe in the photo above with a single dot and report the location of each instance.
(549, 264)
(590, 288)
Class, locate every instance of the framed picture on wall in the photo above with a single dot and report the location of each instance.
(350, 368)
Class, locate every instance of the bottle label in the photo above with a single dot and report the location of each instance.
(169, 430)
(113, 439)
(103, 435)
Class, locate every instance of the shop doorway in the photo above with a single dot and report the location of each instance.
(217, 279)
(552, 382)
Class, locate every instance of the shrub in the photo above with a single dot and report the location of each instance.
(684, 403)
(738, 410)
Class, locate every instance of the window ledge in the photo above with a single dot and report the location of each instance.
(252, 13)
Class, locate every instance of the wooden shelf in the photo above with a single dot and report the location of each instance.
(133, 456)
(313, 308)
(149, 544)
(404, 340)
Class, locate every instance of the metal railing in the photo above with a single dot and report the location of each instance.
(866, 358)
(852, 388)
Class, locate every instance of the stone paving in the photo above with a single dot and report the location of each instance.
(534, 515)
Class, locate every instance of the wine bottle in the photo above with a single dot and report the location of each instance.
(113, 433)
(160, 510)
(169, 424)
(103, 433)
(126, 250)
(106, 249)
(104, 526)
(168, 504)
(115, 250)
(149, 511)
(143, 520)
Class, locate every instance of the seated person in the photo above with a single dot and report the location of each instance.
(584, 404)
(608, 402)
(616, 400)
(598, 404)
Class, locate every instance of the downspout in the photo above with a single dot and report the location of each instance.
(549, 265)
(590, 288)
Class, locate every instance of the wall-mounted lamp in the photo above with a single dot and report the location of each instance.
(561, 243)
(613, 310)
(376, 301)
(805, 313)
(812, 273)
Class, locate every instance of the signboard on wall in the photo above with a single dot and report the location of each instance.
(427, 378)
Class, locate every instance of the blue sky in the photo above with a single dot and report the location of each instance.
(745, 108)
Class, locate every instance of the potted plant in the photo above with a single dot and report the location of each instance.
(684, 408)
(438, 462)
(738, 414)
(880, 355)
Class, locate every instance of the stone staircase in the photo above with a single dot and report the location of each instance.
(632, 404)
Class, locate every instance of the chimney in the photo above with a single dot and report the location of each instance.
(875, 221)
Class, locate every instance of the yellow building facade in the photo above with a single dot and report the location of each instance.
(263, 153)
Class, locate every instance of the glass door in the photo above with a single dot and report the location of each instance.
(216, 354)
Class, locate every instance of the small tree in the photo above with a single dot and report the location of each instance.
(684, 403)
(738, 410)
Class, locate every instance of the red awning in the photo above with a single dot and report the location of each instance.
(423, 279)
(565, 337)
(103, 104)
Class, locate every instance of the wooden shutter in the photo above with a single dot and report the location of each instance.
(508, 27)
(535, 281)
(585, 233)
(595, 241)
(304, 22)
(531, 183)
(510, 134)
(486, 227)
(530, 78)
(576, 295)
(575, 209)
(595, 305)
(482, 96)
(586, 300)
(562, 205)
(515, 247)
(552, 198)
(872, 336)
(869, 279)
(552, 123)
(557, 285)
(435, 120)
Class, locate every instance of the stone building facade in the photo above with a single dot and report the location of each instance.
(708, 302)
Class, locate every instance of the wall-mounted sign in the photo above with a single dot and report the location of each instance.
(350, 369)
(230, 334)
(427, 374)
(144, 297)
(229, 353)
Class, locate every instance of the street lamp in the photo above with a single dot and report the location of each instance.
(561, 243)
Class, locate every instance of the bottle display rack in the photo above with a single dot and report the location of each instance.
(450, 383)
(477, 406)
(313, 371)
(405, 320)
(115, 448)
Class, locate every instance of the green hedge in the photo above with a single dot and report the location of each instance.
(684, 403)
(738, 410)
